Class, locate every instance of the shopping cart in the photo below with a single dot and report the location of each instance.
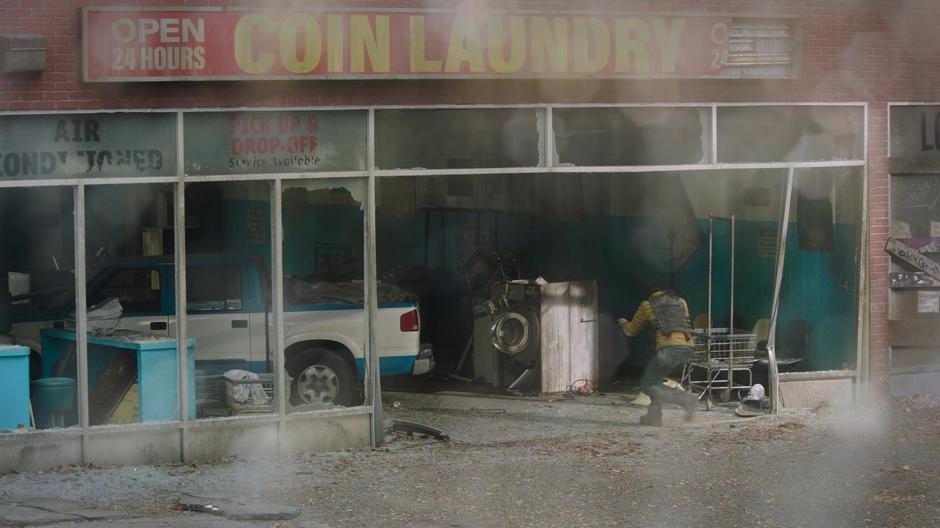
(216, 395)
(722, 361)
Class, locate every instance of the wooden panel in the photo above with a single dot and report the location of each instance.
(913, 332)
(901, 166)
(568, 334)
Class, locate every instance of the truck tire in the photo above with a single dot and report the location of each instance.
(323, 376)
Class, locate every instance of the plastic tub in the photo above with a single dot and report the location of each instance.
(53, 394)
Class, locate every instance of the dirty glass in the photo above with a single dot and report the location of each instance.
(790, 133)
(459, 138)
(132, 346)
(324, 310)
(632, 136)
(817, 325)
(87, 145)
(915, 132)
(274, 142)
(37, 294)
(228, 297)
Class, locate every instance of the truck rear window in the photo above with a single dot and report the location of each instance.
(213, 288)
(137, 289)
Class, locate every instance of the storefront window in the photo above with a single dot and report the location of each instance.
(632, 136)
(818, 313)
(131, 342)
(324, 295)
(790, 133)
(228, 297)
(274, 142)
(87, 145)
(459, 139)
(37, 294)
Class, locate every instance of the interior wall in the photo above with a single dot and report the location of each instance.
(605, 238)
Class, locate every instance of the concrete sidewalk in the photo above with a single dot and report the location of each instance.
(566, 461)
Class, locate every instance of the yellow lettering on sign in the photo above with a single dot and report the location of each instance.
(244, 49)
(363, 41)
(464, 46)
(587, 30)
(310, 29)
(334, 43)
(549, 45)
(668, 40)
(419, 61)
(498, 61)
(631, 35)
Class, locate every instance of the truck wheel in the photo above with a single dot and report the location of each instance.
(324, 377)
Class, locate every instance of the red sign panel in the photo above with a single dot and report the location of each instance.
(141, 45)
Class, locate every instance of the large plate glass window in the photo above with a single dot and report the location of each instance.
(632, 136)
(459, 138)
(87, 145)
(132, 346)
(37, 294)
(228, 297)
(270, 142)
(324, 294)
(817, 324)
(790, 133)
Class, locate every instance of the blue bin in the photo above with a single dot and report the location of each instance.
(14, 387)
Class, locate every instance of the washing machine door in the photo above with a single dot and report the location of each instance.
(516, 334)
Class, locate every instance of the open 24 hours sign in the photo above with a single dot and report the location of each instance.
(180, 44)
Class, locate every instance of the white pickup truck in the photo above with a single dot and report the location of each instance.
(228, 300)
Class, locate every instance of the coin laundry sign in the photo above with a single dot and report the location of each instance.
(141, 45)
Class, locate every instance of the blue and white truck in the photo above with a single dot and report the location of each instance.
(229, 316)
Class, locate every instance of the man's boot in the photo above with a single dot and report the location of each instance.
(655, 420)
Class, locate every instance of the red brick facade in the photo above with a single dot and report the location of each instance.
(853, 50)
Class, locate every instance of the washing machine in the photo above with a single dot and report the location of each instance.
(539, 336)
(507, 333)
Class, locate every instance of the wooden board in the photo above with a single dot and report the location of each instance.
(128, 409)
(568, 334)
(112, 385)
(913, 332)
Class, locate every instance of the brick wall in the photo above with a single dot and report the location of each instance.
(854, 50)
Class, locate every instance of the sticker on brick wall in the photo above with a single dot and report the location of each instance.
(181, 44)
(87, 145)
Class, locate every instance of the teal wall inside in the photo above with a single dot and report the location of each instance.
(818, 286)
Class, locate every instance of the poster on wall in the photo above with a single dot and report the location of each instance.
(87, 145)
(266, 142)
(242, 44)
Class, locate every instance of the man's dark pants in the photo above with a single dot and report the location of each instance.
(664, 362)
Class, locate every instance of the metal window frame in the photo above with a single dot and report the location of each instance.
(373, 405)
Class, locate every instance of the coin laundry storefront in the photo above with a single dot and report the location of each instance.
(206, 137)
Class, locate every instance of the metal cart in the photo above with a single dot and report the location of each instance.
(215, 396)
(720, 353)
